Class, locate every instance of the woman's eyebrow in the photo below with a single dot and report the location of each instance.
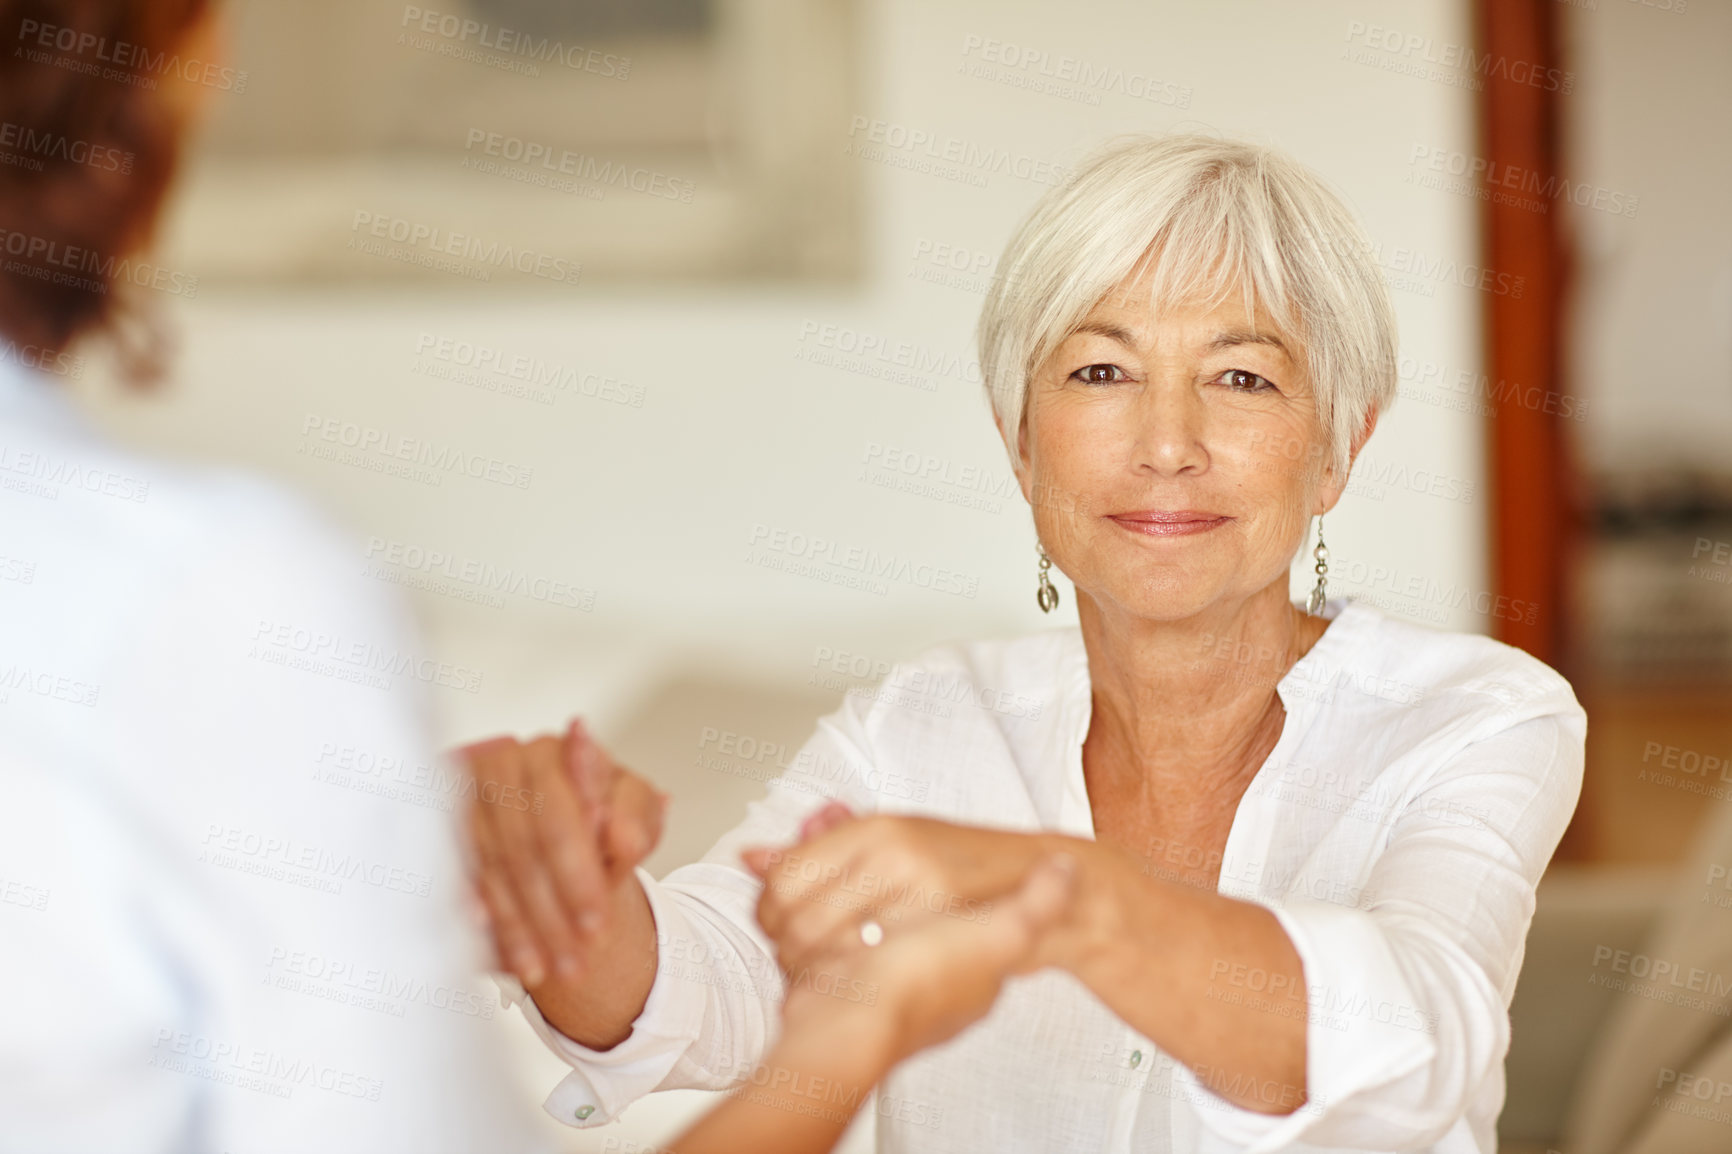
(1226, 339)
(1231, 337)
(1110, 331)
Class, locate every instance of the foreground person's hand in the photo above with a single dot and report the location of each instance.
(557, 828)
(883, 867)
(930, 976)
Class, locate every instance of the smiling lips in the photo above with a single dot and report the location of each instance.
(1169, 523)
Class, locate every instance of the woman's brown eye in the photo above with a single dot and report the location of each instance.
(1098, 374)
(1248, 381)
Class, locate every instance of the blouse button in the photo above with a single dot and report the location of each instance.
(1136, 1058)
(584, 1112)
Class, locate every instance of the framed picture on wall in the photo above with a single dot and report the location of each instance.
(532, 142)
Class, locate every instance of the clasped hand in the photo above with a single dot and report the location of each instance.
(888, 869)
(947, 946)
(558, 827)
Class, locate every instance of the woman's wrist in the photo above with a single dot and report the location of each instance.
(803, 1094)
(847, 1044)
(1093, 920)
(597, 1008)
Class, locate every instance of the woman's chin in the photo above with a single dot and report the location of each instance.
(1163, 600)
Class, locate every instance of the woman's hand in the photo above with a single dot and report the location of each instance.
(930, 976)
(557, 827)
(889, 869)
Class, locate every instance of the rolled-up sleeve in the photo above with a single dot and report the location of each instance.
(714, 1007)
(1408, 992)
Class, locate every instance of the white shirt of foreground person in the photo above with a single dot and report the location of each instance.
(1397, 830)
(229, 885)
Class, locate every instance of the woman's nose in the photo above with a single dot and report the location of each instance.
(1170, 421)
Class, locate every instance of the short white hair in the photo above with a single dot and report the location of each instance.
(1202, 215)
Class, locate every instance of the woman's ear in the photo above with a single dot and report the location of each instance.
(1017, 448)
(1366, 428)
(1334, 485)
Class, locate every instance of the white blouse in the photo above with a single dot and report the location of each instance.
(230, 888)
(1398, 828)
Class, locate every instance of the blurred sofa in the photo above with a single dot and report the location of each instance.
(1622, 1018)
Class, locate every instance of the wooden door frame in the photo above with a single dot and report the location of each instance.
(1536, 512)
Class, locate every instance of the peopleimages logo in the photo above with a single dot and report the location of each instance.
(483, 576)
(489, 361)
(425, 244)
(1475, 170)
(367, 987)
(318, 651)
(252, 1068)
(460, 31)
(312, 866)
(1662, 972)
(862, 350)
(869, 136)
(40, 144)
(133, 63)
(54, 472)
(578, 165)
(1415, 52)
(868, 564)
(42, 359)
(68, 265)
(16, 678)
(440, 459)
(1066, 77)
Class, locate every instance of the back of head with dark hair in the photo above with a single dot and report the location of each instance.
(87, 146)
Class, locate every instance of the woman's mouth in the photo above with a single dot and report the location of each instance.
(1169, 523)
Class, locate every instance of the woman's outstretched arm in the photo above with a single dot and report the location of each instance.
(1152, 950)
(1369, 1025)
(932, 976)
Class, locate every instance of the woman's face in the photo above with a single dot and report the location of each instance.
(1173, 461)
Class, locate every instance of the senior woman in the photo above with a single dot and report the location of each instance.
(1306, 839)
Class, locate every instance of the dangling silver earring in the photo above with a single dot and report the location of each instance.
(1320, 594)
(1047, 595)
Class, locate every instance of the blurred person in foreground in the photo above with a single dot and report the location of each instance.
(215, 937)
(217, 931)
(1307, 837)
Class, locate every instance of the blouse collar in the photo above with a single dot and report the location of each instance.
(1348, 621)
